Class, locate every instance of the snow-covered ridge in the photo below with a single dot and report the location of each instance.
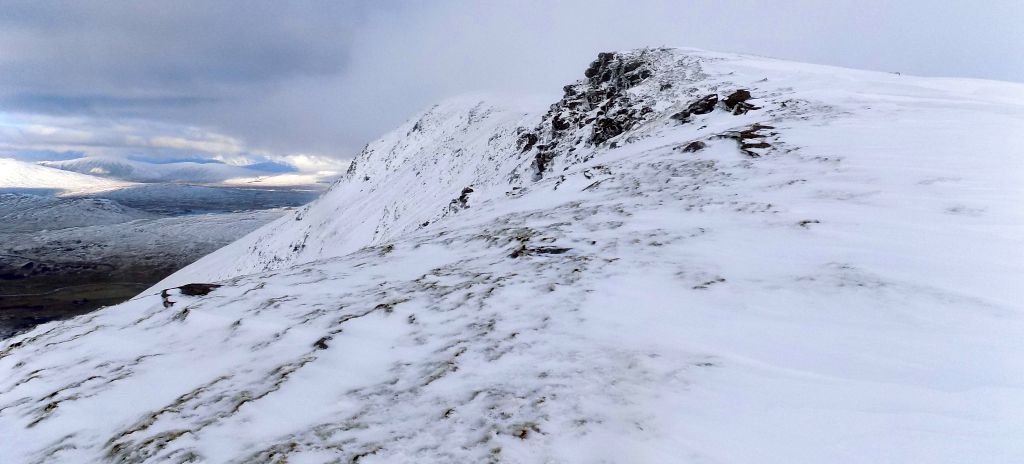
(21, 176)
(184, 171)
(396, 185)
(691, 256)
(137, 171)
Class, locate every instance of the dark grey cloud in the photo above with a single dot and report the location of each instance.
(148, 45)
(324, 77)
(92, 104)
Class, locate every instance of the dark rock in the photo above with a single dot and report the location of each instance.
(753, 132)
(736, 97)
(694, 147)
(744, 137)
(597, 67)
(704, 105)
(549, 250)
(197, 289)
(527, 141)
(747, 146)
(166, 298)
(737, 102)
(464, 196)
(559, 124)
(544, 250)
(321, 344)
(631, 66)
(541, 162)
(600, 104)
(461, 202)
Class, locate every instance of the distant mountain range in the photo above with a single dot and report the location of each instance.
(191, 171)
(97, 173)
(19, 176)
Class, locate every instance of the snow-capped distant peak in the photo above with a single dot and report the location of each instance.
(140, 171)
(19, 176)
(269, 174)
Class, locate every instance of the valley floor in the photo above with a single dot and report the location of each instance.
(61, 257)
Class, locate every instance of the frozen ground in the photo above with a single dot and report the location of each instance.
(832, 274)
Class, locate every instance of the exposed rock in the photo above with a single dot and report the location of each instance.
(321, 344)
(694, 147)
(592, 111)
(197, 289)
(462, 202)
(704, 105)
(527, 141)
(737, 102)
(541, 163)
(750, 138)
(542, 250)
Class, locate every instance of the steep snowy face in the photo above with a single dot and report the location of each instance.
(469, 150)
(690, 256)
(438, 163)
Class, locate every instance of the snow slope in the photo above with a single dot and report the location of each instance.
(827, 271)
(18, 175)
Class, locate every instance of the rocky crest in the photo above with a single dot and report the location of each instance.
(620, 93)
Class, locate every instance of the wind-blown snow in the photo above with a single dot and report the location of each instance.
(834, 277)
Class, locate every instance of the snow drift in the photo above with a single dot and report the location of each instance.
(691, 256)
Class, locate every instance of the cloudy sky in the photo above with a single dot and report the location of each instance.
(258, 79)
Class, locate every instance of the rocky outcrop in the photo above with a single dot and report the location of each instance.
(195, 289)
(704, 105)
(751, 138)
(737, 102)
(618, 95)
(592, 111)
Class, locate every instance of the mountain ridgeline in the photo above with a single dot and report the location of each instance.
(691, 256)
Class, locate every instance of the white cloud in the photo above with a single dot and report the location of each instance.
(312, 163)
(34, 133)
